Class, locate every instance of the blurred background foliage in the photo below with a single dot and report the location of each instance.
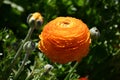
(103, 61)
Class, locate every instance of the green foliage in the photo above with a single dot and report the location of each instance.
(103, 60)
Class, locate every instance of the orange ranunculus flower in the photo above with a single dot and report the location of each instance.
(65, 39)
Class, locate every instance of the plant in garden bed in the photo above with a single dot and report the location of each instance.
(34, 20)
(103, 55)
(63, 40)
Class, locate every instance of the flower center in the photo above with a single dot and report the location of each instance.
(65, 23)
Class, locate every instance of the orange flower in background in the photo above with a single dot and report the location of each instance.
(83, 78)
(65, 39)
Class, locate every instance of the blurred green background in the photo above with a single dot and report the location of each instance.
(103, 61)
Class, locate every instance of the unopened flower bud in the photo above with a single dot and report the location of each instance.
(29, 46)
(38, 23)
(31, 21)
(35, 20)
(1, 54)
(94, 32)
(48, 67)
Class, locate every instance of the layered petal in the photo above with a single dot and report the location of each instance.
(65, 39)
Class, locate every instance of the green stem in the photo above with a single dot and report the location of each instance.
(71, 71)
(8, 71)
(20, 48)
(32, 72)
(22, 66)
